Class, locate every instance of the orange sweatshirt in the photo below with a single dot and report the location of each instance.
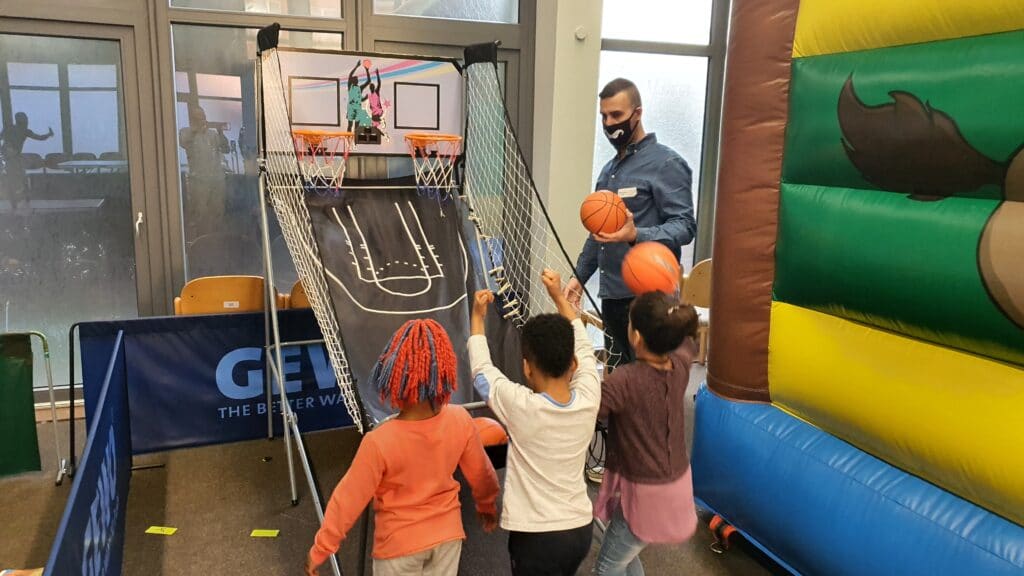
(406, 467)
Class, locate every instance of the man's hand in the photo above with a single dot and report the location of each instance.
(625, 234)
(481, 300)
(573, 292)
(488, 520)
(310, 569)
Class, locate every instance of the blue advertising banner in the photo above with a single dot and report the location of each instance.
(90, 540)
(198, 380)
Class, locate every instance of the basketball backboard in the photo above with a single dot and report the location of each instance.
(379, 98)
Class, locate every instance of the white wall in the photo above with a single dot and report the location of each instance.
(565, 102)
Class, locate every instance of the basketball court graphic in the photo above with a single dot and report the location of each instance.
(390, 255)
(409, 267)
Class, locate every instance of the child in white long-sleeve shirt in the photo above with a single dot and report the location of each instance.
(550, 425)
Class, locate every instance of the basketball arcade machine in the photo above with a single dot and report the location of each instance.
(306, 143)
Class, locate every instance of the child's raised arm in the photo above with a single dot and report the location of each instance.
(553, 282)
(477, 322)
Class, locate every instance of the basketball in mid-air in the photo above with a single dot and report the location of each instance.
(491, 432)
(603, 212)
(367, 63)
(650, 266)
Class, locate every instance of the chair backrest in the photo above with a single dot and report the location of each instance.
(111, 156)
(32, 161)
(220, 295)
(55, 158)
(83, 156)
(697, 287)
(298, 298)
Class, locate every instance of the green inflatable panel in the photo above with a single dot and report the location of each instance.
(889, 261)
(940, 118)
(19, 448)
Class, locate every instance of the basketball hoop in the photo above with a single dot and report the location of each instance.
(433, 157)
(322, 156)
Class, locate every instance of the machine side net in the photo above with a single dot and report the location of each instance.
(287, 184)
(511, 220)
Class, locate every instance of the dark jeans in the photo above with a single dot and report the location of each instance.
(549, 553)
(615, 314)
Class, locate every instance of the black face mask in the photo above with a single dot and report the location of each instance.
(620, 134)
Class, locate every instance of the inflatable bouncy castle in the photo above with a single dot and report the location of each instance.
(864, 411)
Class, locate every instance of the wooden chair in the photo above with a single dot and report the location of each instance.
(298, 298)
(696, 290)
(223, 295)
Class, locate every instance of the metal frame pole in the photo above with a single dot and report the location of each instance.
(269, 397)
(286, 414)
(62, 463)
(270, 294)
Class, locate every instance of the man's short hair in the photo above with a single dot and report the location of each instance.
(622, 85)
(547, 342)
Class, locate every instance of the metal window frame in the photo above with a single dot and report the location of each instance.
(715, 52)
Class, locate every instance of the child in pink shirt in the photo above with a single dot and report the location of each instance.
(406, 465)
(647, 493)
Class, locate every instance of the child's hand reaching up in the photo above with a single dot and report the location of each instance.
(481, 300)
(553, 282)
(488, 520)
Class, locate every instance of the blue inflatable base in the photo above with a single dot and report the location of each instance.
(822, 507)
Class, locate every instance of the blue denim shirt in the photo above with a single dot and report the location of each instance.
(654, 182)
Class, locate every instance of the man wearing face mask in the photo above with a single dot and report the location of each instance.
(654, 182)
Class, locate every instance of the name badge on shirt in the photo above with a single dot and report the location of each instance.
(627, 192)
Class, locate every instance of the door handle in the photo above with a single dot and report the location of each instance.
(138, 222)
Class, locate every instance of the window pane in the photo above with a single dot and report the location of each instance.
(41, 75)
(92, 76)
(42, 107)
(503, 11)
(217, 150)
(91, 127)
(673, 92)
(678, 21)
(317, 8)
(67, 249)
(219, 85)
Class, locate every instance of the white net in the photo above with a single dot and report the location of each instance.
(287, 185)
(322, 157)
(513, 226)
(433, 160)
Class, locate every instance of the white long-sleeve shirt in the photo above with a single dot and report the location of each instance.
(544, 486)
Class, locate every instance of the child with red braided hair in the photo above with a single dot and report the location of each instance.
(406, 464)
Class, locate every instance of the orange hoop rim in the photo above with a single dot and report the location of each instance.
(317, 136)
(420, 139)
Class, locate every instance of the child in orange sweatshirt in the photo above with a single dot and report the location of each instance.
(406, 464)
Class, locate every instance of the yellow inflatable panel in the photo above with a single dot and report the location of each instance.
(952, 418)
(832, 26)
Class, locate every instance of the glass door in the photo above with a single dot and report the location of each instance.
(70, 225)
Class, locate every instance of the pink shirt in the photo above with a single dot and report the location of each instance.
(656, 513)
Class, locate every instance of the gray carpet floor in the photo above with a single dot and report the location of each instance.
(215, 496)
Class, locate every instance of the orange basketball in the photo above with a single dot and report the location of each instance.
(651, 266)
(490, 430)
(603, 211)
(367, 63)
